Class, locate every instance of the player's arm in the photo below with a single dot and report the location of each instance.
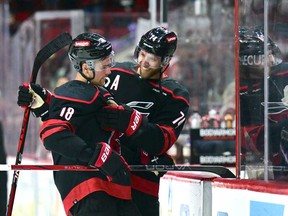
(153, 137)
(157, 137)
(38, 98)
(58, 136)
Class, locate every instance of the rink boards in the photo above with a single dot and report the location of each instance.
(202, 194)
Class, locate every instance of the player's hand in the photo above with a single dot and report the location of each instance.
(25, 98)
(111, 164)
(108, 97)
(120, 118)
(162, 160)
(34, 96)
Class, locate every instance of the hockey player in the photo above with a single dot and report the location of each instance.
(251, 57)
(73, 135)
(163, 104)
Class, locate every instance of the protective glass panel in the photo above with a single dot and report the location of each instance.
(204, 63)
(263, 92)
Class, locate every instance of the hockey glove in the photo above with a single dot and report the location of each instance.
(36, 97)
(110, 164)
(25, 98)
(161, 160)
(120, 118)
(164, 159)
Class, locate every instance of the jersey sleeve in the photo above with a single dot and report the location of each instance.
(162, 131)
(58, 136)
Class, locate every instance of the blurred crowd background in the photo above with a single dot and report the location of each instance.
(204, 60)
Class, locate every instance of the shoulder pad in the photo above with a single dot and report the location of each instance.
(171, 85)
(77, 90)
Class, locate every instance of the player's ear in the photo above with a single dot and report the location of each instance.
(85, 69)
(84, 66)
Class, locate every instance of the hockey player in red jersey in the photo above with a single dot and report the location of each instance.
(73, 135)
(153, 112)
(251, 57)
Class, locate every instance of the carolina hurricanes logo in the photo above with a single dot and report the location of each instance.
(276, 110)
(141, 106)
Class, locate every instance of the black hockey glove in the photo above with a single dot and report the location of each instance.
(120, 118)
(110, 164)
(25, 98)
(36, 97)
(161, 160)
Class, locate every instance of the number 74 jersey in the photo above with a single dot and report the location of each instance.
(164, 101)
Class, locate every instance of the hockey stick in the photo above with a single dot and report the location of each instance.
(56, 44)
(218, 170)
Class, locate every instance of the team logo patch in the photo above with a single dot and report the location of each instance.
(170, 39)
(82, 43)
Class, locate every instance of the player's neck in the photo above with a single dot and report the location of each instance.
(79, 77)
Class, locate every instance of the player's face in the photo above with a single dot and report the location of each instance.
(102, 70)
(149, 65)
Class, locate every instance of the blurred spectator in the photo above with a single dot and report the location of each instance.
(51, 4)
(61, 81)
(21, 10)
(92, 6)
(228, 97)
(127, 5)
(67, 4)
(93, 10)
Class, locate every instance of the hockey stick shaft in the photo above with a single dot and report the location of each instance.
(56, 44)
(219, 170)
